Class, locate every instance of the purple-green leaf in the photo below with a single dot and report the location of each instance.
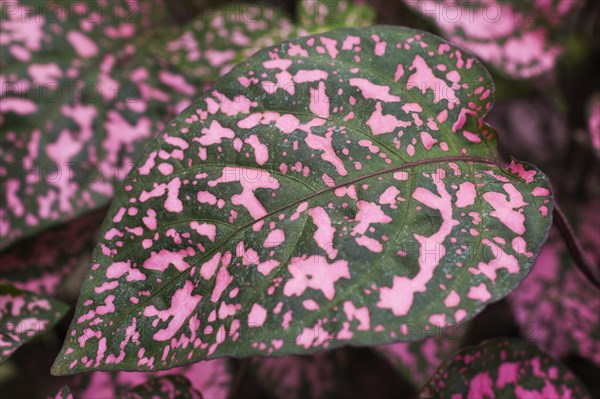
(418, 361)
(503, 368)
(24, 316)
(556, 306)
(63, 393)
(516, 38)
(210, 45)
(79, 99)
(315, 376)
(42, 263)
(168, 387)
(212, 378)
(337, 189)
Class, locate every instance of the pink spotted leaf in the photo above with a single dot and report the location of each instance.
(518, 39)
(418, 361)
(331, 190)
(210, 45)
(24, 316)
(212, 378)
(79, 99)
(503, 368)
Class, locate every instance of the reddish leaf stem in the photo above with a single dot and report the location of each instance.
(574, 246)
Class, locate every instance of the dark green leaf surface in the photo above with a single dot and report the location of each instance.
(336, 189)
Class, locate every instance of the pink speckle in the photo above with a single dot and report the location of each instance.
(257, 316)
(83, 45)
(479, 292)
(314, 272)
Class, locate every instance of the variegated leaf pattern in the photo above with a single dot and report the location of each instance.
(42, 263)
(24, 316)
(210, 45)
(169, 387)
(556, 306)
(503, 368)
(418, 361)
(79, 99)
(335, 189)
(518, 39)
(212, 378)
(63, 393)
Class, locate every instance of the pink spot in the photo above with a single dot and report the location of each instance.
(222, 282)
(465, 195)
(250, 180)
(205, 229)
(314, 272)
(183, 304)
(452, 299)
(261, 153)
(399, 297)
(372, 91)
(381, 124)
(504, 210)
(274, 238)
(83, 45)
(479, 292)
(324, 234)
(423, 78)
(319, 102)
(160, 261)
(208, 269)
(501, 260)
(257, 316)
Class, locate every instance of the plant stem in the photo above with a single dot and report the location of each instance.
(574, 246)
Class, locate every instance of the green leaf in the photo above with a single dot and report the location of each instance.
(173, 386)
(24, 316)
(79, 100)
(359, 197)
(503, 368)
